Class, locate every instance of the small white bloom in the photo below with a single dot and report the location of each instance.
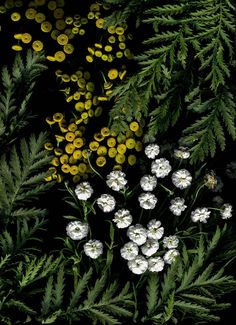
(177, 206)
(93, 248)
(138, 265)
(170, 242)
(148, 182)
(77, 230)
(154, 229)
(161, 167)
(123, 218)
(106, 202)
(83, 191)
(129, 251)
(152, 150)
(200, 214)
(182, 178)
(155, 264)
(182, 153)
(116, 180)
(170, 256)
(226, 211)
(147, 201)
(150, 247)
(138, 234)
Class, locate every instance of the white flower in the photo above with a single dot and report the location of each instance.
(155, 264)
(170, 256)
(147, 201)
(77, 230)
(150, 247)
(83, 191)
(182, 153)
(138, 265)
(106, 202)
(93, 248)
(177, 206)
(123, 218)
(116, 180)
(200, 214)
(129, 251)
(155, 231)
(138, 234)
(170, 242)
(148, 182)
(152, 150)
(226, 211)
(161, 167)
(182, 178)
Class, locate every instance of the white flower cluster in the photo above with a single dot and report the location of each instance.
(226, 211)
(144, 244)
(83, 191)
(177, 206)
(116, 180)
(106, 202)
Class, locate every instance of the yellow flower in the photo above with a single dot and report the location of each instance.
(100, 161)
(60, 24)
(111, 39)
(15, 16)
(81, 31)
(138, 146)
(93, 145)
(88, 95)
(113, 74)
(50, 58)
(122, 74)
(84, 115)
(76, 95)
(30, 13)
(129, 134)
(95, 7)
(90, 113)
(98, 53)
(103, 98)
(87, 75)
(98, 111)
(37, 46)
(50, 121)
(98, 136)
(117, 167)
(72, 160)
(65, 78)
(89, 58)
(58, 13)
(76, 179)
(82, 168)
(54, 34)
(90, 86)
(110, 58)
(132, 160)
(40, 17)
(52, 5)
(64, 159)
(105, 131)
(39, 2)
(130, 143)
(65, 168)
(77, 154)
(134, 126)
(109, 92)
(100, 23)
(102, 151)
(81, 83)
(69, 148)
(79, 106)
(59, 138)
(122, 45)
(74, 170)
(70, 136)
(60, 56)
(46, 27)
(108, 48)
(58, 117)
(119, 30)
(17, 47)
(48, 146)
(111, 142)
(79, 121)
(3, 9)
(55, 162)
(119, 55)
(87, 105)
(62, 39)
(85, 153)
(139, 133)
(121, 138)
(121, 38)
(120, 159)
(111, 29)
(72, 127)
(68, 48)
(90, 15)
(112, 152)
(69, 20)
(121, 148)
(104, 57)
(18, 36)
(48, 178)
(58, 151)
(78, 142)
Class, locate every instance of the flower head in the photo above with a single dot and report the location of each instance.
(226, 211)
(116, 180)
(77, 230)
(161, 167)
(138, 265)
(148, 182)
(181, 153)
(106, 202)
(93, 248)
(155, 264)
(170, 256)
(147, 201)
(177, 206)
(83, 191)
(154, 229)
(129, 251)
(200, 214)
(138, 234)
(182, 178)
(150, 247)
(123, 218)
(152, 151)
(170, 242)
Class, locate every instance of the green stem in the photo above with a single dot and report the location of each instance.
(94, 170)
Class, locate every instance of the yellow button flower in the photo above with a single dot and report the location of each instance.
(130, 143)
(87, 106)
(112, 152)
(46, 27)
(113, 74)
(120, 159)
(119, 30)
(70, 136)
(76, 179)
(134, 126)
(138, 146)
(102, 151)
(119, 55)
(74, 170)
(50, 121)
(77, 154)
(111, 142)
(100, 23)
(117, 167)
(30, 13)
(121, 148)
(105, 131)
(111, 29)
(100, 161)
(108, 48)
(81, 83)
(111, 39)
(82, 168)
(122, 74)
(60, 56)
(78, 142)
(121, 138)
(122, 45)
(65, 168)
(59, 138)
(69, 148)
(54, 34)
(90, 86)
(79, 106)
(81, 31)
(65, 78)
(72, 127)
(98, 53)
(88, 95)
(50, 58)
(69, 20)
(52, 5)
(93, 145)
(132, 160)
(17, 48)
(58, 151)
(37, 46)
(18, 36)
(139, 133)
(62, 39)
(58, 13)
(55, 162)
(98, 137)
(85, 153)
(58, 117)
(68, 48)
(90, 15)
(90, 113)
(72, 160)
(40, 17)
(60, 24)
(15, 16)
(98, 111)
(48, 146)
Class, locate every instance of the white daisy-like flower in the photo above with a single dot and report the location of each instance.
(93, 248)
(152, 150)
(148, 182)
(181, 178)
(83, 191)
(147, 201)
(200, 214)
(129, 251)
(181, 153)
(77, 230)
(161, 167)
(138, 265)
(226, 211)
(106, 202)
(138, 234)
(177, 206)
(116, 180)
(170, 256)
(123, 218)
(150, 247)
(154, 229)
(155, 264)
(170, 242)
